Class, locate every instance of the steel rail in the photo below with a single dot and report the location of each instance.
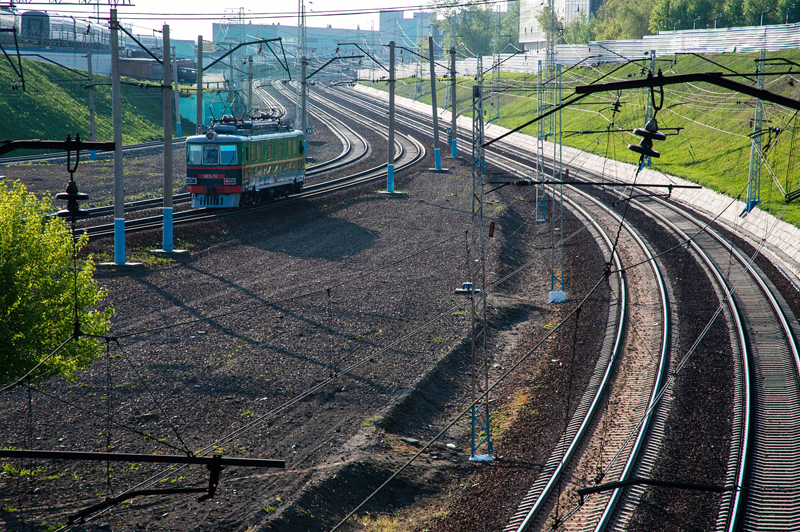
(333, 164)
(532, 511)
(769, 474)
(334, 185)
(742, 407)
(539, 495)
(743, 399)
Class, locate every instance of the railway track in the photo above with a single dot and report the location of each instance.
(642, 377)
(409, 151)
(354, 146)
(763, 477)
(764, 471)
(61, 157)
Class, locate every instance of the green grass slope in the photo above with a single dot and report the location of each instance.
(55, 104)
(711, 148)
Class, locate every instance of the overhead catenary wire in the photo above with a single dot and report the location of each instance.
(728, 293)
(477, 400)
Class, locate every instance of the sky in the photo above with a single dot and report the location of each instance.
(189, 18)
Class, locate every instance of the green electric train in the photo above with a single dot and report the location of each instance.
(235, 162)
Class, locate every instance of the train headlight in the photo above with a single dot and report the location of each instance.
(230, 180)
(191, 180)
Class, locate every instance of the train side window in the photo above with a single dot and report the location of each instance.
(279, 149)
(210, 154)
(227, 154)
(194, 154)
(269, 151)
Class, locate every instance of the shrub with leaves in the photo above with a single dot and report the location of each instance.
(38, 287)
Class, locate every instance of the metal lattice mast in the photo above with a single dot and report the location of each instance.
(300, 56)
(557, 219)
(541, 135)
(481, 432)
(756, 154)
(494, 96)
(418, 72)
(550, 89)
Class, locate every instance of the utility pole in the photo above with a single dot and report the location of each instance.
(250, 84)
(390, 164)
(166, 243)
(301, 52)
(231, 85)
(304, 101)
(453, 100)
(437, 156)
(494, 96)
(177, 92)
(199, 121)
(92, 153)
(541, 135)
(549, 91)
(116, 117)
(756, 143)
(476, 290)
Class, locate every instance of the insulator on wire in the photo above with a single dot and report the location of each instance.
(72, 197)
(649, 134)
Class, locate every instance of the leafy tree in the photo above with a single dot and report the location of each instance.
(579, 30)
(733, 13)
(37, 292)
(472, 28)
(623, 19)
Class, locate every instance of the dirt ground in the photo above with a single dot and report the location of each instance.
(319, 333)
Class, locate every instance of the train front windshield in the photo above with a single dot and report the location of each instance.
(211, 154)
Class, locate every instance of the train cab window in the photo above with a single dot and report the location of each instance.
(210, 154)
(194, 154)
(227, 154)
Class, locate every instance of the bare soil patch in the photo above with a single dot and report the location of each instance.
(225, 341)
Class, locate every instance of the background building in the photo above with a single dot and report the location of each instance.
(532, 36)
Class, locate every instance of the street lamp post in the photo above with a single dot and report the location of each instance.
(715, 20)
(787, 12)
(694, 25)
(762, 15)
(675, 25)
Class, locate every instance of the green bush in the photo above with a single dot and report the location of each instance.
(38, 286)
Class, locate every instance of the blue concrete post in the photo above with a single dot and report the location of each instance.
(166, 244)
(119, 240)
(390, 178)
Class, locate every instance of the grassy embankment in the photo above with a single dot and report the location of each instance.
(712, 149)
(55, 104)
